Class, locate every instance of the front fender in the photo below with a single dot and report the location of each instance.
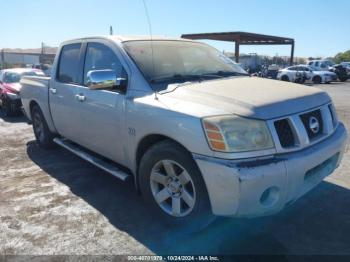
(147, 119)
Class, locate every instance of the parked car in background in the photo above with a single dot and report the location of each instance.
(294, 73)
(10, 101)
(321, 65)
(195, 133)
(345, 64)
(269, 71)
(342, 72)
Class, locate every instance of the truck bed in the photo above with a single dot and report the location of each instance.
(35, 89)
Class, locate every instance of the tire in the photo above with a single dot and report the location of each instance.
(42, 133)
(6, 108)
(316, 80)
(285, 78)
(163, 172)
(343, 79)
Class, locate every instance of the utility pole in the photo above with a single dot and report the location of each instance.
(42, 48)
(110, 30)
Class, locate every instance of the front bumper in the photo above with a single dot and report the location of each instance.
(14, 100)
(263, 186)
(330, 78)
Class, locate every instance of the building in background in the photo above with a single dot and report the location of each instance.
(27, 57)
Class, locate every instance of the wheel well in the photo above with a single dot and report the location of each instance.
(149, 141)
(146, 143)
(32, 104)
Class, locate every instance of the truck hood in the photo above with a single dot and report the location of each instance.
(244, 96)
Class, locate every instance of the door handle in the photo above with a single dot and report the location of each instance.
(80, 98)
(53, 90)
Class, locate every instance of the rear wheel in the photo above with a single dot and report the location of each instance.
(316, 80)
(173, 186)
(41, 131)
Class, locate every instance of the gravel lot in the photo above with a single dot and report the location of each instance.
(51, 202)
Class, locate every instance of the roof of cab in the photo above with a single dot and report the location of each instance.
(125, 38)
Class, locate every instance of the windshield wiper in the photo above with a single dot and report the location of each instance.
(230, 73)
(175, 77)
(200, 77)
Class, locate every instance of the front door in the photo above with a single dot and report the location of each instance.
(96, 117)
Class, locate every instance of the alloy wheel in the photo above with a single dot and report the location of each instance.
(172, 188)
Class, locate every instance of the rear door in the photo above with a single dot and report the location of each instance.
(63, 88)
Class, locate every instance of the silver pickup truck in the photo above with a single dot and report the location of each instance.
(198, 136)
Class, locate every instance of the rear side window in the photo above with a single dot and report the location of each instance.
(68, 68)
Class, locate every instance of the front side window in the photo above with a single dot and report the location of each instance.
(101, 57)
(68, 68)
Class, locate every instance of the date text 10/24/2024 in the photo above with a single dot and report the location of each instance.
(173, 258)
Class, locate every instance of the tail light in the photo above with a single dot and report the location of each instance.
(10, 90)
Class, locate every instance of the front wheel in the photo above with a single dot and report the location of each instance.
(285, 78)
(172, 184)
(42, 132)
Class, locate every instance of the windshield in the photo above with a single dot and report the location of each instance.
(328, 63)
(13, 77)
(175, 61)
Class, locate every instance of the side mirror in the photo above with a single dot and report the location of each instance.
(105, 79)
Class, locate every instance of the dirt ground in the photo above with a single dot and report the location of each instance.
(52, 202)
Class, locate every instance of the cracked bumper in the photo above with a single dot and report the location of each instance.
(263, 186)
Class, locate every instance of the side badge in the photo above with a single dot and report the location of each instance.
(131, 131)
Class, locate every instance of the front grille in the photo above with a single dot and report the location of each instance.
(313, 123)
(285, 133)
(334, 119)
(294, 132)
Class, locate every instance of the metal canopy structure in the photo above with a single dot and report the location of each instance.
(244, 38)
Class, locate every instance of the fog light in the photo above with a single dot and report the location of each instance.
(270, 196)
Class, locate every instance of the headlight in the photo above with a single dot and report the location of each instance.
(237, 134)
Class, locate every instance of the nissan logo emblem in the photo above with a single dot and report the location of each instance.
(314, 125)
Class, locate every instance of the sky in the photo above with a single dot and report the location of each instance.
(319, 27)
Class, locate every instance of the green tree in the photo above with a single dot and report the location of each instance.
(342, 57)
